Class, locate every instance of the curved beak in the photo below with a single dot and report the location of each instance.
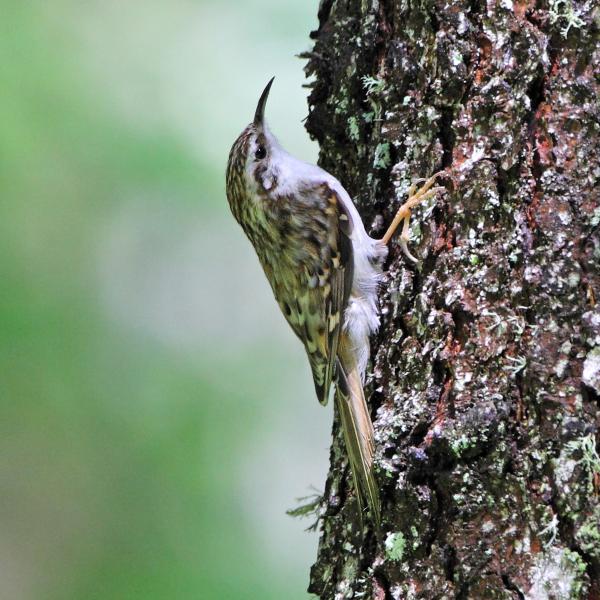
(259, 115)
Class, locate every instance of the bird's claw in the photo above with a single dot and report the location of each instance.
(415, 197)
(406, 251)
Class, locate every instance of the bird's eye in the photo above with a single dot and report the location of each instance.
(260, 153)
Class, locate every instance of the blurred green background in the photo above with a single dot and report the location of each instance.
(157, 416)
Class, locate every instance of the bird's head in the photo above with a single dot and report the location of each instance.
(252, 167)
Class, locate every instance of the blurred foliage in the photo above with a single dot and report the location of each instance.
(157, 416)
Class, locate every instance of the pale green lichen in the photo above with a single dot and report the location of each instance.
(589, 461)
(368, 117)
(564, 11)
(459, 445)
(308, 505)
(341, 105)
(416, 539)
(556, 575)
(350, 568)
(591, 369)
(373, 85)
(382, 158)
(578, 566)
(395, 544)
(550, 532)
(518, 364)
(353, 129)
(563, 467)
(588, 535)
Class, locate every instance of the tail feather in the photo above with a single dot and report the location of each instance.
(359, 436)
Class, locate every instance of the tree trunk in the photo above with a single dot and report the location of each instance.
(485, 379)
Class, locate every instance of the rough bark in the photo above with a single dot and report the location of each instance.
(485, 380)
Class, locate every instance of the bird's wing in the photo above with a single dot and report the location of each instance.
(324, 299)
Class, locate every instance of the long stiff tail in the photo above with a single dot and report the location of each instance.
(358, 434)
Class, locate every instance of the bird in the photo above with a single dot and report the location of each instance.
(324, 271)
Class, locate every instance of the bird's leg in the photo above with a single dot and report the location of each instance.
(415, 197)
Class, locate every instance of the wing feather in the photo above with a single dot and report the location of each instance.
(312, 276)
(331, 295)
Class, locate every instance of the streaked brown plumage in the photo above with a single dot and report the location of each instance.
(323, 269)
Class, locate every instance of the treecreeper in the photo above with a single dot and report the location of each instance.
(324, 270)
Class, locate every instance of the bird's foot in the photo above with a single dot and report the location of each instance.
(415, 196)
